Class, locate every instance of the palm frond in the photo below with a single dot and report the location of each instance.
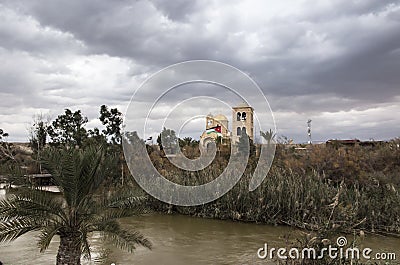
(31, 203)
(126, 201)
(14, 228)
(46, 235)
(90, 177)
(124, 239)
(79, 173)
(105, 208)
(61, 165)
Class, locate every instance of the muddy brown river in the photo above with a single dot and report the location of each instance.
(183, 240)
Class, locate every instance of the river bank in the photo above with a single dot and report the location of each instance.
(304, 201)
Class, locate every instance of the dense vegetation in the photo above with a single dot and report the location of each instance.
(321, 188)
(325, 189)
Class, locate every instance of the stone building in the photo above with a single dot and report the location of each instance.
(242, 121)
(218, 125)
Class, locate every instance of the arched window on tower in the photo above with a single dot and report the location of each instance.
(244, 131)
(238, 116)
(243, 116)
(238, 131)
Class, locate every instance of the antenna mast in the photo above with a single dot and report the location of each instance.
(309, 131)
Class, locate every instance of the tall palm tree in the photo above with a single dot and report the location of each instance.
(79, 211)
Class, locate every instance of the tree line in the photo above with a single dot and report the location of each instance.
(68, 129)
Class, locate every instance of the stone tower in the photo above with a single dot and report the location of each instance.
(242, 120)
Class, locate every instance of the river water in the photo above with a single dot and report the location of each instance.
(182, 240)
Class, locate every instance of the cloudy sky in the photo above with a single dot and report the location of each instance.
(336, 62)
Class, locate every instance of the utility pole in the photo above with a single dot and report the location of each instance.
(309, 131)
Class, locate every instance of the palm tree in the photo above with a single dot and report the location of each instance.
(268, 135)
(79, 211)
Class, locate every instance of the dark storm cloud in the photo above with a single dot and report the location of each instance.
(179, 10)
(135, 29)
(332, 10)
(366, 33)
(309, 57)
(359, 57)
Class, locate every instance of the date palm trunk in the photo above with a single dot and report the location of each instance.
(69, 251)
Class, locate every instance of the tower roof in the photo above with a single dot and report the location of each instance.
(242, 105)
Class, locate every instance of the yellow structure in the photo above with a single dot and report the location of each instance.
(217, 126)
(218, 120)
(212, 124)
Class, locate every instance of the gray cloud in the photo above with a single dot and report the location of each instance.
(336, 60)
